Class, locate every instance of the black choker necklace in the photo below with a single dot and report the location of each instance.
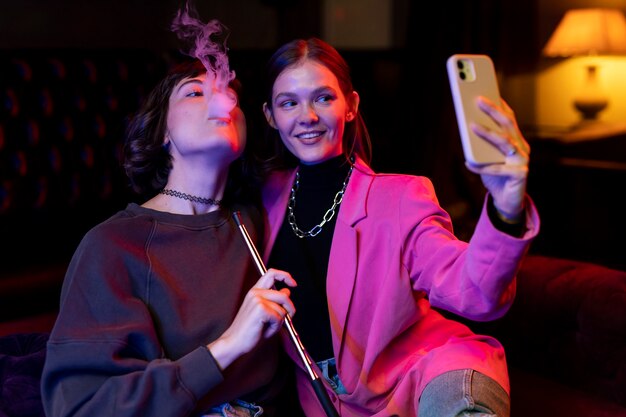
(195, 199)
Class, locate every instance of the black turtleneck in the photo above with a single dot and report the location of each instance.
(307, 258)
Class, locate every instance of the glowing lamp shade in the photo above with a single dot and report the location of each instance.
(588, 32)
(592, 31)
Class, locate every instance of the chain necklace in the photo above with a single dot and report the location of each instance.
(193, 198)
(291, 217)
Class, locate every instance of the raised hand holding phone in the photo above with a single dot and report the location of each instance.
(471, 76)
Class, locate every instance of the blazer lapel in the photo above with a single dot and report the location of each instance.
(343, 261)
(275, 196)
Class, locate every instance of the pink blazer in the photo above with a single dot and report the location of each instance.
(392, 258)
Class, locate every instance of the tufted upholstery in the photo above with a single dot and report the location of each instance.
(62, 116)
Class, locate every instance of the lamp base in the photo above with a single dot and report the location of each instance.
(591, 100)
(589, 107)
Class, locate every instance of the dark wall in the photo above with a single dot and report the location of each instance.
(404, 91)
(145, 23)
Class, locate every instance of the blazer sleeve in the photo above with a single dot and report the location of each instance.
(474, 279)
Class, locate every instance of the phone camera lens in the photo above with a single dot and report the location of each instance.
(462, 75)
(460, 64)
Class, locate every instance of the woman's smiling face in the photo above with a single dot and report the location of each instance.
(310, 111)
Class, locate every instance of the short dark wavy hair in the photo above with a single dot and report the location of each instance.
(146, 159)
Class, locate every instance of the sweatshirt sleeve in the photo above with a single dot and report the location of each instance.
(104, 356)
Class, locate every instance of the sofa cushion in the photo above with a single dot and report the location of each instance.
(534, 395)
(21, 363)
(568, 322)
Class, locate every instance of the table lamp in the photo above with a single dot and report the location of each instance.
(589, 32)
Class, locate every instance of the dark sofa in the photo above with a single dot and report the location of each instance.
(565, 339)
(61, 118)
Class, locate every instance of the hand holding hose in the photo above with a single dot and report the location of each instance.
(260, 316)
(316, 381)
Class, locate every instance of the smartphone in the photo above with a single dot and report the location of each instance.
(471, 76)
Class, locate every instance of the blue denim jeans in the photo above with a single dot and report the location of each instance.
(235, 408)
(329, 372)
(464, 393)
